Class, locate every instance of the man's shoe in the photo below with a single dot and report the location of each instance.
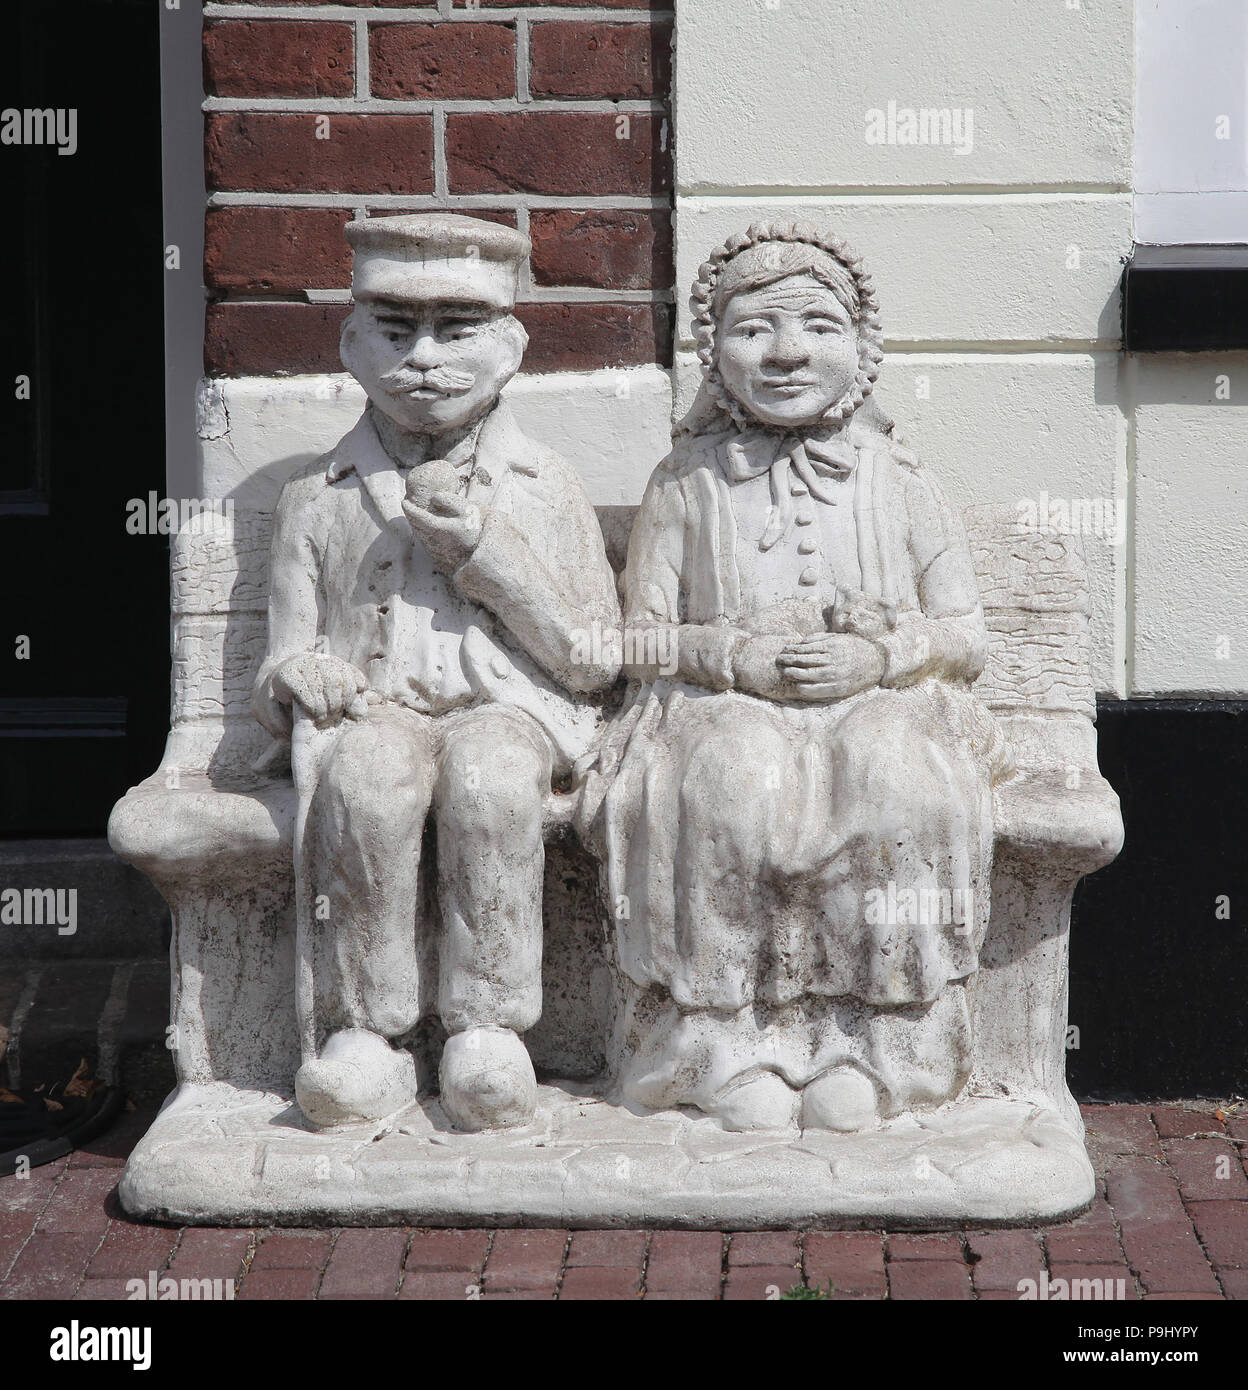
(358, 1078)
(487, 1080)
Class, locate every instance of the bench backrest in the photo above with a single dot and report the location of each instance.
(1034, 588)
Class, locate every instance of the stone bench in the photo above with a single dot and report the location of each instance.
(212, 828)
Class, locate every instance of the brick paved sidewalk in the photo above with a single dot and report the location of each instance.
(1171, 1219)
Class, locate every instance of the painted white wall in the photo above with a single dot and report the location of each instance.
(253, 432)
(1191, 134)
(997, 263)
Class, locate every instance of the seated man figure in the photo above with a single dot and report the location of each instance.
(428, 578)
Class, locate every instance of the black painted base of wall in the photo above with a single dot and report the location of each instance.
(1159, 940)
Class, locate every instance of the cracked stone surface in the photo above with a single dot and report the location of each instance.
(228, 1156)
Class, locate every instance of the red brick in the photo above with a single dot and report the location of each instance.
(112, 1148)
(78, 1204)
(1083, 1247)
(280, 58)
(608, 1249)
(777, 1248)
(853, 1261)
(555, 152)
(1141, 1192)
(928, 1279)
(284, 1284)
(31, 1193)
(1167, 1257)
(1234, 1282)
(293, 1250)
(102, 1290)
(598, 1282)
(448, 1251)
(278, 152)
(1122, 1129)
(680, 1296)
(905, 1247)
(1098, 1216)
(210, 1254)
(1175, 1123)
(1223, 1231)
(1237, 1128)
(606, 248)
(49, 1266)
(577, 59)
(455, 1286)
(1005, 1257)
(271, 339)
(365, 1264)
(580, 337)
(15, 1231)
(131, 1252)
(1107, 1274)
(1197, 1163)
(431, 61)
(276, 250)
(1183, 1297)
(691, 1260)
(517, 1295)
(525, 1259)
(758, 1283)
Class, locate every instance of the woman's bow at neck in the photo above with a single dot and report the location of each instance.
(799, 464)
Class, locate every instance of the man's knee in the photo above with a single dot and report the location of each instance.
(367, 766)
(491, 783)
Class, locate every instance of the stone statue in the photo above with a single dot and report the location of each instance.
(840, 813)
(798, 821)
(428, 577)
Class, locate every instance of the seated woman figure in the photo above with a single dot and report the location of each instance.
(795, 813)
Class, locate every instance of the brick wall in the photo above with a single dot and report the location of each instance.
(552, 117)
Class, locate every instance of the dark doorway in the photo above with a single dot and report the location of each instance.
(84, 615)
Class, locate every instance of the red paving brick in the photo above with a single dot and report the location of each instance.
(1098, 1246)
(443, 1285)
(132, 1252)
(1122, 1129)
(210, 1254)
(525, 1259)
(778, 1248)
(448, 1251)
(285, 1284)
(1004, 1257)
(293, 1249)
(906, 1247)
(103, 1290)
(1180, 1203)
(851, 1261)
(757, 1283)
(685, 1260)
(608, 1249)
(588, 1282)
(365, 1264)
(1111, 1278)
(1174, 1123)
(929, 1279)
(80, 1203)
(1223, 1230)
(49, 1266)
(1207, 1169)
(1167, 1258)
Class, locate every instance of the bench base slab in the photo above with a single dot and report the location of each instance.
(220, 1155)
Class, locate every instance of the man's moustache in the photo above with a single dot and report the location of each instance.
(439, 379)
